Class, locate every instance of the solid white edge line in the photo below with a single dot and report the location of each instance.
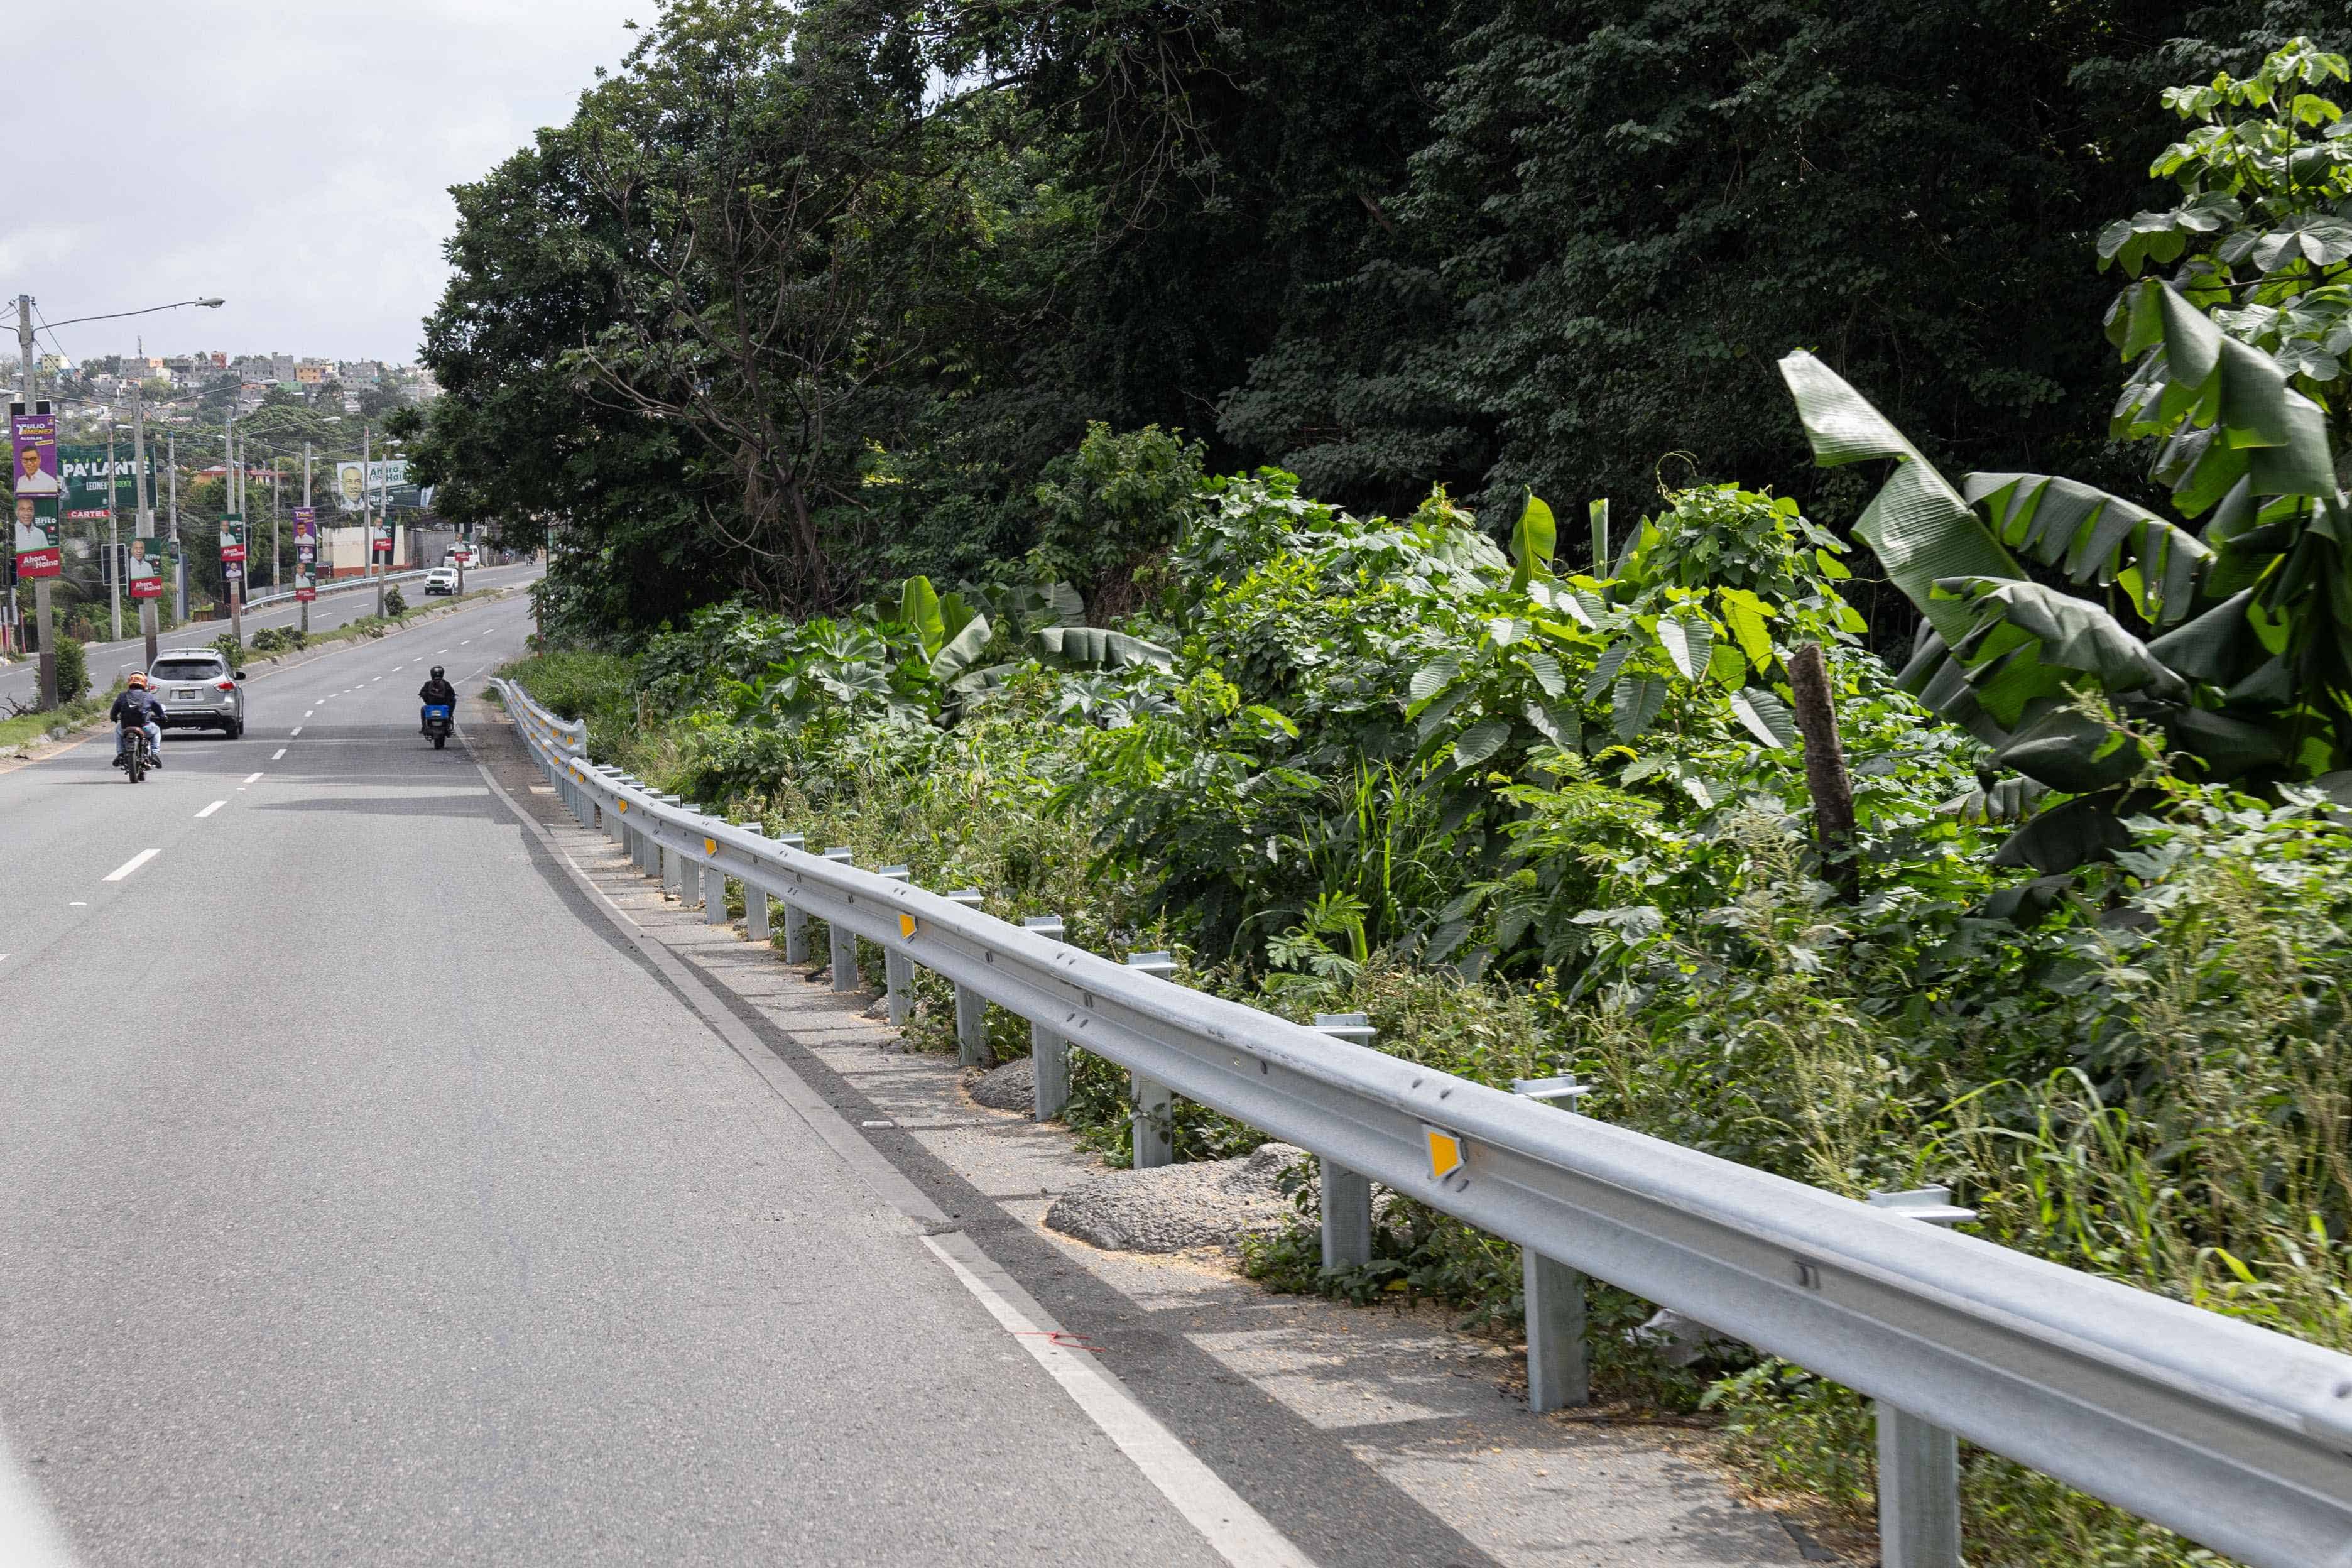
(278, 753)
(134, 864)
(1236, 1531)
(210, 809)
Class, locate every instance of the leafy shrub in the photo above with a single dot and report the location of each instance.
(228, 648)
(73, 670)
(395, 606)
(279, 639)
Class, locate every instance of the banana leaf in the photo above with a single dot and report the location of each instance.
(1092, 647)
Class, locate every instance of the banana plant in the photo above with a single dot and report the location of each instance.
(952, 633)
(2238, 645)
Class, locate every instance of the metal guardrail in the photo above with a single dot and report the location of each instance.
(342, 585)
(2238, 1437)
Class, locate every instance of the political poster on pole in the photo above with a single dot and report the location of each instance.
(305, 535)
(384, 542)
(232, 539)
(144, 571)
(306, 586)
(33, 440)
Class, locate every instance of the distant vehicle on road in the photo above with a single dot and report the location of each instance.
(441, 580)
(199, 690)
(459, 555)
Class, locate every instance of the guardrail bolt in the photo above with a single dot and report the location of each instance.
(845, 945)
(971, 1009)
(1347, 1194)
(1049, 1054)
(1919, 1462)
(1559, 1374)
(897, 968)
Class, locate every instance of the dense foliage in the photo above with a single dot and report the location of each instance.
(806, 300)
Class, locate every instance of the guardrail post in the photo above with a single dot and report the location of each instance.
(755, 903)
(897, 969)
(845, 945)
(1049, 1054)
(714, 894)
(1559, 1374)
(972, 1007)
(795, 923)
(1153, 1128)
(1347, 1194)
(1919, 1462)
(673, 864)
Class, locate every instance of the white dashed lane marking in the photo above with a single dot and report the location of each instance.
(250, 777)
(134, 864)
(210, 809)
(294, 731)
(278, 753)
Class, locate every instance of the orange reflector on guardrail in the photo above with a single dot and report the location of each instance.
(1444, 1150)
(906, 927)
(710, 846)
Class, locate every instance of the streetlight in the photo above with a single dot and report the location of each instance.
(31, 406)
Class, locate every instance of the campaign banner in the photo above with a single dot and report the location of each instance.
(33, 469)
(37, 554)
(84, 470)
(232, 539)
(382, 483)
(306, 587)
(142, 569)
(383, 543)
(306, 522)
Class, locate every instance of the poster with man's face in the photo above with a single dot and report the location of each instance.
(145, 572)
(36, 537)
(351, 485)
(33, 441)
(232, 539)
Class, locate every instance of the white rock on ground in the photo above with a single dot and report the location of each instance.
(1210, 1202)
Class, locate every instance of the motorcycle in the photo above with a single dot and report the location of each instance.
(130, 752)
(439, 718)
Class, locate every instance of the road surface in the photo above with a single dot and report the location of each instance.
(110, 661)
(365, 1199)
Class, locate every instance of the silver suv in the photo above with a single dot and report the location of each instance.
(199, 690)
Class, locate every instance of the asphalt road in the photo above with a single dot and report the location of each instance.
(110, 661)
(365, 1199)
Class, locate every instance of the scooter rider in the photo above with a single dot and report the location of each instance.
(436, 692)
(137, 706)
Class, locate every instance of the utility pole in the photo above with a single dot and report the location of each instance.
(179, 556)
(143, 494)
(113, 542)
(367, 524)
(314, 538)
(40, 584)
(233, 501)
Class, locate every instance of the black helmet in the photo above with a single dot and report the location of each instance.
(437, 672)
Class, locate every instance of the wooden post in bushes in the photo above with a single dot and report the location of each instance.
(1825, 776)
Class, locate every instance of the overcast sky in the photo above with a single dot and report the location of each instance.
(292, 156)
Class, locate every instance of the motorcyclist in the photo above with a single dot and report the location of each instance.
(137, 707)
(436, 692)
